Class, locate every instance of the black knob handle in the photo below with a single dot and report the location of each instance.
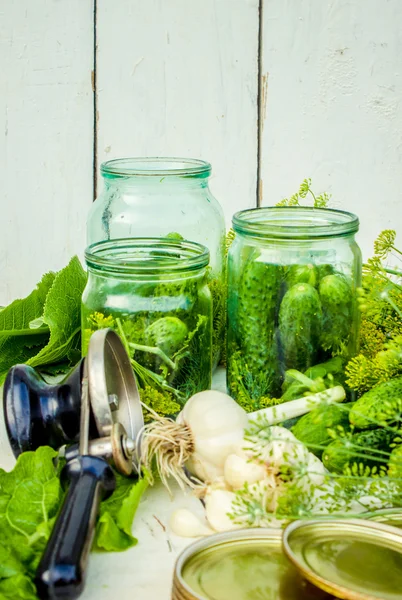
(37, 413)
(61, 572)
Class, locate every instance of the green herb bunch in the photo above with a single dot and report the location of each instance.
(360, 445)
(380, 302)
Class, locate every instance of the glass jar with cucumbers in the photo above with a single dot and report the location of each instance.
(292, 308)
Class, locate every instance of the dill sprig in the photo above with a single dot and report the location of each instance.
(304, 191)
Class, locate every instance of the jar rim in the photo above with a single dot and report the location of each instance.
(295, 222)
(146, 256)
(151, 166)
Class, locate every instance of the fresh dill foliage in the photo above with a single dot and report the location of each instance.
(380, 303)
(304, 192)
(363, 474)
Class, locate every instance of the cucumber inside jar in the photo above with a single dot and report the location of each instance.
(286, 317)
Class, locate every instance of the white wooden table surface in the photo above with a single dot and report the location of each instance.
(145, 571)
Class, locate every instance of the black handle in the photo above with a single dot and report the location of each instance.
(61, 571)
(37, 413)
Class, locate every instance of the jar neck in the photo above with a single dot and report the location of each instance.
(169, 182)
(147, 258)
(296, 223)
(152, 172)
(156, 277)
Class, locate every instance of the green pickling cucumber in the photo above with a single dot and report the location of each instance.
(324, 270)
(336, 300)
(257, 306)
(167, 333)
(300, 320)
(302, 274)
(312, 428)
(341, 453)
(382, 404)
(395, 463)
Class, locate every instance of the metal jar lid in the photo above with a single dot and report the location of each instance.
(240, 565)
(352, 559)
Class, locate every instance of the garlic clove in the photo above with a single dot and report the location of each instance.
(239, 470)
(218, 503)
(185, 523)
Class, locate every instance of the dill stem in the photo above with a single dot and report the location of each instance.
(393, 271)
(153, 350)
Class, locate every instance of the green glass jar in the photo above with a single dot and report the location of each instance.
(154, 293)
(163, 197)
(292, 279)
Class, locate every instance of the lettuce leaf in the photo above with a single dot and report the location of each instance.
(19, 587)
(62, 314)
(30, 498)
(113, 531)
(18, 342)
(44, 328)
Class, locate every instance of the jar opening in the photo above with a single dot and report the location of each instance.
(146, 256)
(155, 167)
(295, 222)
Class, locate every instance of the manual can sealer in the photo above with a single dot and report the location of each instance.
(98, 404)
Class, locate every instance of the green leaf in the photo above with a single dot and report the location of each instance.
(44, 498)
(62, 314)
(113, 532)
(15, 319)
(19, 587)
(30, 496)
(10, 565)
(18, 342)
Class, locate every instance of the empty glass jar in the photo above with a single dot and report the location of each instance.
(154, 293)
(163, 197)
(292, 278)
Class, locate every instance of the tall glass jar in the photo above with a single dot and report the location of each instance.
(154, 293)
(163, 197)
(292, 279)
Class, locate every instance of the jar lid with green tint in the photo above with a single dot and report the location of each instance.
(247, 564)
(352, 559)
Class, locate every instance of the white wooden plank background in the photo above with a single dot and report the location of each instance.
(46, 137)
(180, 77)
(332, 73)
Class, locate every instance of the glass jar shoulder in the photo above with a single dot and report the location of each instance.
(133, 211)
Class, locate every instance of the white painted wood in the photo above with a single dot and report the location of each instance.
(179, 78)
(332, 91)
(46, 137)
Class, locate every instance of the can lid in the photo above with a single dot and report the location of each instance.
(352, 559)
(241, 564)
